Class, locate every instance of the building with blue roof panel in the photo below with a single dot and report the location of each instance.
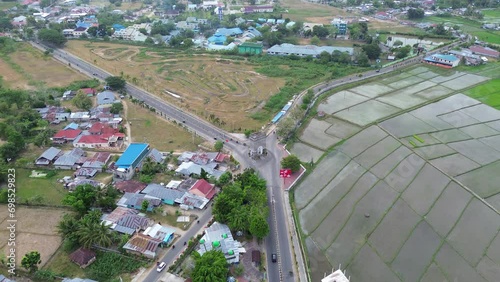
(277, 117)
(130, 160)
(117, 27)
(446, 61)
(217, 39)
(236, 31)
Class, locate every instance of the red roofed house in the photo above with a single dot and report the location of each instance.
(88, 91)
(99, 128)
(203, 189)
(101, 136)
(130, 186)
(68, 135)
(83, 257)
(221, 157)
(19, 21)
(484, 51)
(97, 141)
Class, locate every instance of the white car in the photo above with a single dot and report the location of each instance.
(161, 266)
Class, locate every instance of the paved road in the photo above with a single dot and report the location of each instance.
(279, 239)
(279, 228)
(173, 254)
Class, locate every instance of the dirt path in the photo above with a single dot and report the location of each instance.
(127, 125)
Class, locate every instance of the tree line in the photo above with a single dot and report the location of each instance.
(242, 204)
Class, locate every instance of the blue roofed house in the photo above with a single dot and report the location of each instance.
(105, 97)
(130, 160)
(71, 126)
(252, 32)
(117, 27)
(234, 32)
(217, 39)
(445, 61)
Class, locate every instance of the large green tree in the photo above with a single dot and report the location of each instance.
(52, 36)
(258, 224)
(210, 267)
(218, 145)
(82, 198)
(31, 261)
(372, 50)
(242, 204)
(82, 101)
(115, 82)
(291, 162)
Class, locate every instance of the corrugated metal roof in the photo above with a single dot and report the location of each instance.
(130, 155)
(50, 153)
(158, 191)
(307, 50)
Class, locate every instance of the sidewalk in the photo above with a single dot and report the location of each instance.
(292, 229)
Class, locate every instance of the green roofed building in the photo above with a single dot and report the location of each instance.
(219, 237)
(250, 48)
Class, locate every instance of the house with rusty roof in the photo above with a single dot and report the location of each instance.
(83, 257)
(144, 245)
(130, 186)
(190, 201)
(126, 221)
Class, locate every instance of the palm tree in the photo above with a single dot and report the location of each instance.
(90, 234)
(68, 226)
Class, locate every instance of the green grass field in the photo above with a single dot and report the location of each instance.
(7, 5)
(52, 191)
(491, 15)
(469, 26)
(488, 93)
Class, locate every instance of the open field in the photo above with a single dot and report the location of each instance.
(160, 134)
(381, 25)
(350, 110)
(491, 16)
(205, 84)
(301, 11)
(7, 5)
(35, 229)
(50, 189)
(60, 263)
(382, 203)
(11, 78)
(469, 26)
(123, 6)
(27, 74)
(488, 93)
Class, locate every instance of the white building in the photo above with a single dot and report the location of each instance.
(218, 237)
(336, 276)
